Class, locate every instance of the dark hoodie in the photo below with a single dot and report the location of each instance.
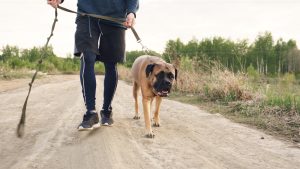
(112, 8)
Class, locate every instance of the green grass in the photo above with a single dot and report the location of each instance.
(283, 92)
(15, 74)
(271, 119)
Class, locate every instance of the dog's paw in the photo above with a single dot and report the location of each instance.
(156, 124)
(150, 135)
(136, 117)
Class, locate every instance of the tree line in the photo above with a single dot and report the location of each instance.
(264, 54)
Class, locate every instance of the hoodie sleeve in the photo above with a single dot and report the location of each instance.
(132, 6)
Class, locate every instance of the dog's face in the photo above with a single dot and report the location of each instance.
(161, 77)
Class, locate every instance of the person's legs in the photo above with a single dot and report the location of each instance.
(86, 45)
(110, 86)
(111, 51)
(88, 84)
(88, 79)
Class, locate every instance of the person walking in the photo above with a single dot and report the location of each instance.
(100, 40)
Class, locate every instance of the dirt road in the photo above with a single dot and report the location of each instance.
(188, 137)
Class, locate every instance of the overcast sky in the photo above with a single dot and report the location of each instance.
(27, 23)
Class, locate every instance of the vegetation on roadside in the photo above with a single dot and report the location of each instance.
(18, 63)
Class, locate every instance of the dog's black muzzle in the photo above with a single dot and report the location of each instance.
(162, 88)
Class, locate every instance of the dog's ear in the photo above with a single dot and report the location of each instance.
(149, 69)
(176, 71)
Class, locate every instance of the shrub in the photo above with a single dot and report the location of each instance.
(14, 58)
(132, 55)
(288, 78)
(252, 73)
(224, 85)
(99, 68)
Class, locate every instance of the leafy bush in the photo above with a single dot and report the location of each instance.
(14, 58)
(99, 68)
(252, 72)
(132, 55)
(288, 78)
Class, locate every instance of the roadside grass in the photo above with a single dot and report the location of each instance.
(124, 73)
(9, 74)
(272, 119)
(285, 93)
(56, 66)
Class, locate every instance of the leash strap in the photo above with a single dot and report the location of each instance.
(139, 40)
(21, 125)
(117, 20)
(108, 18)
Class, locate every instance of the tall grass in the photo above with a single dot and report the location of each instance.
(212, 80)
(284, 93)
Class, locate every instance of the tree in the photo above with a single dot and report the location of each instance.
(191, 48)
(9, 52)
(262, 53)
(293, 60)
(173, 50)
(240, 51)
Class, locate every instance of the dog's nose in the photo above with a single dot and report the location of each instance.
(168, 83)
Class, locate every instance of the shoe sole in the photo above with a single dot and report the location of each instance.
(97, 125)
(106, 124)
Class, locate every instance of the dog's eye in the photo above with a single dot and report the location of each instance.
(160, 75)
(171, 76)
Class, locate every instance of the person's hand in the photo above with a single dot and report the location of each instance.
(54, 3)
(130, 20)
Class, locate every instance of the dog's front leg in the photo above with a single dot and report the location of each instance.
(146, 106)
(156, 112)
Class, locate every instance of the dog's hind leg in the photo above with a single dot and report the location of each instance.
(136, 88)
(156, 112)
